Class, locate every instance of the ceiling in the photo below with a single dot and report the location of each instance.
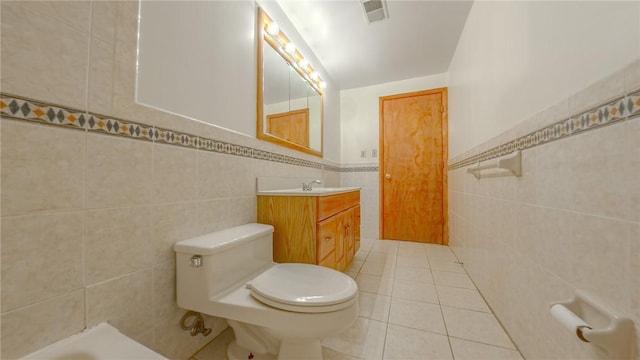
(417, 39)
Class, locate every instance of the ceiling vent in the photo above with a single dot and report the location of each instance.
(374, 10)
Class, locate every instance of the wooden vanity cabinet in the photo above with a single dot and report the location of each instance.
(322, 230)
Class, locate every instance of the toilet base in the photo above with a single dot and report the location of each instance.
(237, 352)
(289, 351)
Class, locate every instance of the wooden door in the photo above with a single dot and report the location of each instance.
(292, 126)
(413, 153)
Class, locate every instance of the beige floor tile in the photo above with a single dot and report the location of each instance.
(447, 265)
(364, 339)
(414, 261)
(417, 315)
(406, 344)
(381, 257)
(330, 354)
(411, 273)
(469, 350)
(439, 253)
(461, 298)
(476, 326)
(452, 279)
(378, 269)
(374, 306)
(375, 284)
(411, 290)
(385, 246)
(354, 266)
(351, 274)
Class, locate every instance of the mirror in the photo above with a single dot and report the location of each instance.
(289, 106)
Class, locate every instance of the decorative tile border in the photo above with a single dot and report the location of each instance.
(360, 169)
(614, 111)
(20, 108)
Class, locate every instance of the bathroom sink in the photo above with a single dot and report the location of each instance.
(317, 191)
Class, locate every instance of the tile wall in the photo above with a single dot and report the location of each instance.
(95, 189)
(365, 176)
(571, 221)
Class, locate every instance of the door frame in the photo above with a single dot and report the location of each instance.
(445, 156)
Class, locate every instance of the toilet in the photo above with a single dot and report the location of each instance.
(277, 311)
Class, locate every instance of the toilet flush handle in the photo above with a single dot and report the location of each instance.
(195, 261)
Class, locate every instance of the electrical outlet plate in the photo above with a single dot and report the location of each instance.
(374, 153)
(363, 153)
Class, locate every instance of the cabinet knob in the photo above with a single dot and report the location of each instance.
(387, 176)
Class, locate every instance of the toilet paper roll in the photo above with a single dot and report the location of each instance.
(569, 320)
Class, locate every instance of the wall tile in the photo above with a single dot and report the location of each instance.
(174, 174)
(125, 302)
(598, 241)
(118, 171)
(117, 242)
(242, 211)
(602, 91)
(241, 175)
(59, 71)
(41, 257)
(170, 224)
(43, 166)
(103, 20)
(164, 293)
(71, 13)
(213, 179)
(101, 67)
(634, 271)
(633, 168)
(632, 76)
(34, 327)
(215, 215)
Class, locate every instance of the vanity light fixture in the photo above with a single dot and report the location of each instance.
(273, 29)
(290, 48)
(279, 41)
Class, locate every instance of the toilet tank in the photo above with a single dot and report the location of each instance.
(210, 264)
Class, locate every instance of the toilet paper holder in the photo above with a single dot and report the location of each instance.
(616, 337)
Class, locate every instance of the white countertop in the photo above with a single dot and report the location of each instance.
(316, 191)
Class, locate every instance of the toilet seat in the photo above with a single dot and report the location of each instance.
(304, 288)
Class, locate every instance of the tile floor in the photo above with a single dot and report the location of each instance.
(416, 302)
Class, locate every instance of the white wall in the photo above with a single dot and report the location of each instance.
(212, 76)
(516, 58)
(359, 114)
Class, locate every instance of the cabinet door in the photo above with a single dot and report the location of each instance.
(341, 240)
(350, 238)
(327, 238)
(356, 228)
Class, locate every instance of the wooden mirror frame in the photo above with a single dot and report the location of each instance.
(260, 127)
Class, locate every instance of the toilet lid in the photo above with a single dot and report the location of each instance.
(304, 288)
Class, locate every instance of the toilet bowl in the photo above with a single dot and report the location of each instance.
(277, 311)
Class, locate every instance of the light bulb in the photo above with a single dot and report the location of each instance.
(314, 75)
(323, 84)
(303, 63)
(290, 48)
(273, 29)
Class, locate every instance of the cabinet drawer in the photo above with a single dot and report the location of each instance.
(333, 204)
(326, 237)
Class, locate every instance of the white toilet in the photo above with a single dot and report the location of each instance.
(276, 310)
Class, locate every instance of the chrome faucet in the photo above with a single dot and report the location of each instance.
(309, 186)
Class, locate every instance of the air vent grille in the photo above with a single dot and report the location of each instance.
(374, 10)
